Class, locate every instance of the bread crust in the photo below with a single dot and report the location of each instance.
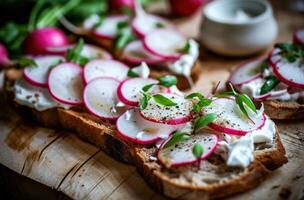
(103, 135)
(284, 110)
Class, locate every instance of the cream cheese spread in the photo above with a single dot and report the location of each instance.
(142, 70)
(239, 151)
(35, 97)
(185, 63)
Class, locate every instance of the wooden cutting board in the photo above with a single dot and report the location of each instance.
(40, 163)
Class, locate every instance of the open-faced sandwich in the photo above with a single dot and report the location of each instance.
(147, 38)
(185, 146)
(277, 81)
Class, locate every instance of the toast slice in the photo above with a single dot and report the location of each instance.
(214, 179)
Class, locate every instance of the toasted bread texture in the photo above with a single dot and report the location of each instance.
(213, 179)
(284, 110)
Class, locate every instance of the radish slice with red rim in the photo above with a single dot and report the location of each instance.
(290, 73)
(145, 23)
(108, 28)
(230, 118)
(178, 114)
(128, 91)
(89, 51)
(105, 68)
(181, 153)
(38, 75)
(65, 83)
(165, 43)
(298, 37)
(133, 127)
(100, 98)
(246, 72)
(134, 53)
(270, 95)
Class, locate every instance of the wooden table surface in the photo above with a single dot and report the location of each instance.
(40, 163)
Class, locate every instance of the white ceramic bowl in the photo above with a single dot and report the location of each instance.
(238, 27)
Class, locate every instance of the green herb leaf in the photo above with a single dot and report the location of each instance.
(246, 99)
(176, 138)
(159, 25)
(195, 94)
(122, 24)
(241, 106)
(186, 48)
(132, 73)
(123, 38)
(167, 80)
(160, 99)
(263, 66)
(147, 87)
(144, 101)
(99, 23)
(75, 56)
(270, 83)
(197, 150)
(204, 121)
(225, 94)
(27, 62)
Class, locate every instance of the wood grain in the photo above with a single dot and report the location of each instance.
(40, 163)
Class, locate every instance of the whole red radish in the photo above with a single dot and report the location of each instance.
(298, 37)
(3, 55)
(120, 4)
(40, 39)
(185, 8)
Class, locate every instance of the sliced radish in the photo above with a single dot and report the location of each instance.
(230, 119)
(291, 73)
(166, 43)
(100, 98)
(108, 28)
(246, 72)
(134, 53)
(298, 37)
(181, 153)
(179, 114)
(271, 94)
(65, 83)
(38, 75)
(129, 90)
(146, 23)
(105, 68)
(89, 51)
(133, 127)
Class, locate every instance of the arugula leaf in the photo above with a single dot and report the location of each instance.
(270, 83)
(27, 62)
(147, 87)
(143, 103)
(291, 52)
(167, 80)
(197, 150)
(132, 73)
(197, 107)
(176, 138)
(160, 99)
(204, 121)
